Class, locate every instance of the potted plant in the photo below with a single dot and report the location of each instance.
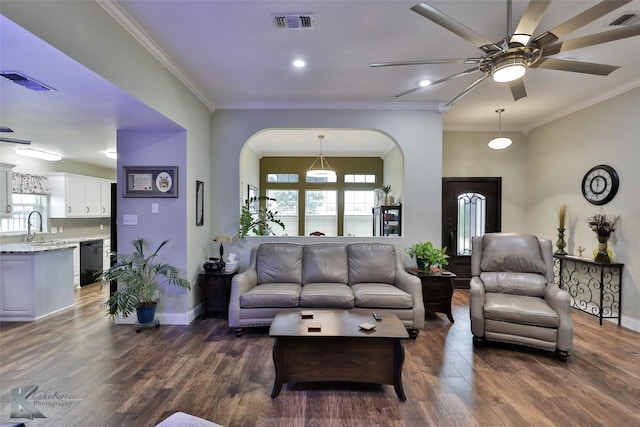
(428, 256)
(386, 189)
(257, 218)
(137, 275)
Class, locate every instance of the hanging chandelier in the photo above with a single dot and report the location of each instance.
(320, 168)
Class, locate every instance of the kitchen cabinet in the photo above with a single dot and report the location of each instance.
(6, 172)
(76, 266)
(78, 196)
(27, 292)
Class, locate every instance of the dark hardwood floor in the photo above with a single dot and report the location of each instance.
(90, 372)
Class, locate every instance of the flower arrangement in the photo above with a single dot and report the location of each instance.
(602, 224)
(562, 215)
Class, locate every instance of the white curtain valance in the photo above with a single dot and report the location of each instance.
(25, 183)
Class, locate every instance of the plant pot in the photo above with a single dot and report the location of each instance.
(423, 266)
(146, 314)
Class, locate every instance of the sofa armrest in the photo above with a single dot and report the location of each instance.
(560, 302)
(411, 285)
(476, 306)
(240, 284)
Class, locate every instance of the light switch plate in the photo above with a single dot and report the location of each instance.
(154, 208)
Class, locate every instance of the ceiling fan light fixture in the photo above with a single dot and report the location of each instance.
(37, 154)
(321, 169)
(500, 142)
(509, 69)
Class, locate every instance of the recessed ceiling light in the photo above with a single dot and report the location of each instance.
(112, 154)
(43, 155)
(299, 63)
(423, 83)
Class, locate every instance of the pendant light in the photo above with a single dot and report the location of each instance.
(323, 169)
(500, 142)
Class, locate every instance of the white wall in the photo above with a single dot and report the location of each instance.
(393, 171)
(560, 153)
(466, 154)
(418, 134)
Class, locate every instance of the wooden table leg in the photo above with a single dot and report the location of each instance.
(277, 363)
(398, 361)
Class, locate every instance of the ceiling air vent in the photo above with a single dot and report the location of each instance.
(627, 18)
(300, 21)
(25, 81)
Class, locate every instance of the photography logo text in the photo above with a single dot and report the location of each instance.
(28, 402)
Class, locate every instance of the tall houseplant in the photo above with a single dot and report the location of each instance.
(256, 218)
(428, 256)
(137, 275)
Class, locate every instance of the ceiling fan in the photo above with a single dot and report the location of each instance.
(508, 59)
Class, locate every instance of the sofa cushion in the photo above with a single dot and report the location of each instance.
(520, 309)
(511, 252)
(381, 295)
(530, 284)
(271, 295)
(279, 263)
(326, 295)
(325, 262)
(371, 263)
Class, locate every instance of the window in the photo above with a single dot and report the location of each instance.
(321, 212)
(282, 177)
(472, 209)
(359, 178)
(21, 206)
(332, 178)
(286, 204)
(358, 214)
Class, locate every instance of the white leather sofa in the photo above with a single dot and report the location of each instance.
(324, 275)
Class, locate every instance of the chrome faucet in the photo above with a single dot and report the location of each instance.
(29, 235)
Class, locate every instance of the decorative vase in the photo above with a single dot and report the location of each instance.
(602, 256)
(560, 243)
(146, 314)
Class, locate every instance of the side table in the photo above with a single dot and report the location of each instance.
(215, 290)
(437, 291)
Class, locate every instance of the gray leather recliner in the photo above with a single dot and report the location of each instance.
(513, 298)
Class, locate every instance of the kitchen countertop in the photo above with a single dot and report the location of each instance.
(45, 245)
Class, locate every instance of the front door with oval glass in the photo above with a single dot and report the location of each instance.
(470, 207)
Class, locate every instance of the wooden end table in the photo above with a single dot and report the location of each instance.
(437, 291)
(215, 290)
(340, 350)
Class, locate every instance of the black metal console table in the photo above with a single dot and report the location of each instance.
(595, 288)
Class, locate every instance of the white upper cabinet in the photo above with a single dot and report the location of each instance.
(77, 196)
(6, 171)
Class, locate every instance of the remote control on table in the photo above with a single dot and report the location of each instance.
(377, 316)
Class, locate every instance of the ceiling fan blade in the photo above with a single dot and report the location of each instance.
(453, 76)
(466, 91)
(593, 39)
(576, 66)
(529, 22)
(578, 21)
(454, 26)
(517, 89)
(15, 140)
(427, 61)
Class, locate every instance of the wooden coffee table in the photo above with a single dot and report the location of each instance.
(340, 350)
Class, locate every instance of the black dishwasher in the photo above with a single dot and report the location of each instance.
(91, 259)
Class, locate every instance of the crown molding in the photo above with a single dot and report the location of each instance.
(424, 106)
(590, 102)
(142, 37)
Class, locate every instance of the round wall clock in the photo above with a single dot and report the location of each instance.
(600, 184)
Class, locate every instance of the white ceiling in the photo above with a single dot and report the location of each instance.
(234, 57)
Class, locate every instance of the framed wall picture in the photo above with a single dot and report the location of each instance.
(199, 203)
(150, 181)
(251, 193)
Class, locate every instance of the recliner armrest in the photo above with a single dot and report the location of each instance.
(476, 306)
